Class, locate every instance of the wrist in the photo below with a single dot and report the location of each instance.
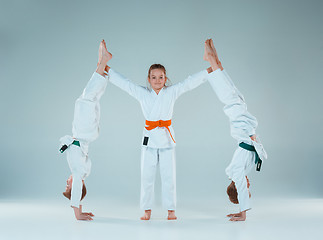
(76, 211)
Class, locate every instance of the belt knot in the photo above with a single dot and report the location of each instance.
(160, 123)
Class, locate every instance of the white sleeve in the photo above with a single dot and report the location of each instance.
(76, 192)
(236, 171)
(189, 83)
(240, 181)
(125, 84)
(235, 107)
(76, 161)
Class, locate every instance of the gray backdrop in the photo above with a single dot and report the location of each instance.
(271, 49)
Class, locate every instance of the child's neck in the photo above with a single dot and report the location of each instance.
(157, 90)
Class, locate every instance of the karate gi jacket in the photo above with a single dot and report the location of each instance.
(157, 107)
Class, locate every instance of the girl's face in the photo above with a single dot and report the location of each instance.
(157, 79)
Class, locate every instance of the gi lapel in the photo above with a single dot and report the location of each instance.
(157, 106)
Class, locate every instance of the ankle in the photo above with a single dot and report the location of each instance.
(102, 64)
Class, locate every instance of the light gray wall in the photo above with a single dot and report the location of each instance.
(271, 49)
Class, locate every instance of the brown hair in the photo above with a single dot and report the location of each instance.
(67, 194)
(161, 67)
(232, 193)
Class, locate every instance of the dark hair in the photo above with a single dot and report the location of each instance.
(161, 67)
(67, 194)
(232, 193)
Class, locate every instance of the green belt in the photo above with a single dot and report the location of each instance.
(251, 148)
(77, 143)
(64, 147)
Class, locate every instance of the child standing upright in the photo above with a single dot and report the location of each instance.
(158, 142)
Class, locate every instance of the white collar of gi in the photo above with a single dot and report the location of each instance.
(155, 94)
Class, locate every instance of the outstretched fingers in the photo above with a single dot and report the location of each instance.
(234, 215)
(84, 217)
(89, 214)
(236, 219)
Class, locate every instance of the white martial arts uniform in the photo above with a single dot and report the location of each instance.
(85, 130)
(160, 146)
(243, 125)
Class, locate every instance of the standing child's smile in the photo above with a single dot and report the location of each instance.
(157, 79)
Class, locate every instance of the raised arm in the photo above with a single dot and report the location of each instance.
(236, 172)
(125, 84)
(114, 77)
(197, 79)
(189, 83)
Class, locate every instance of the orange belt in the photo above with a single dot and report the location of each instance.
(153, 124)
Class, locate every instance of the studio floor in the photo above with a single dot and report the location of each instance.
(269, 219)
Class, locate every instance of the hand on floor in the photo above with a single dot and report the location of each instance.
(241, 216)
(85, 216)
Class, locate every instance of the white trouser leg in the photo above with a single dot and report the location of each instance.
(149, 160)
(243, 124)
(167, 164)
(87, 109)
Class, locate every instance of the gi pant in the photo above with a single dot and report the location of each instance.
(150, 158)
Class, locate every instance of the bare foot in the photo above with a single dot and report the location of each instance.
(104, 54)
(147, 215)
(104, 57)
(216, 55)
(205, 57)
(171, 215)
(210, 55)
(208, 51)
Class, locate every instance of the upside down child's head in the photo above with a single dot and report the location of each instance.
(157, 76)
(68, 189)
(233, 194)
